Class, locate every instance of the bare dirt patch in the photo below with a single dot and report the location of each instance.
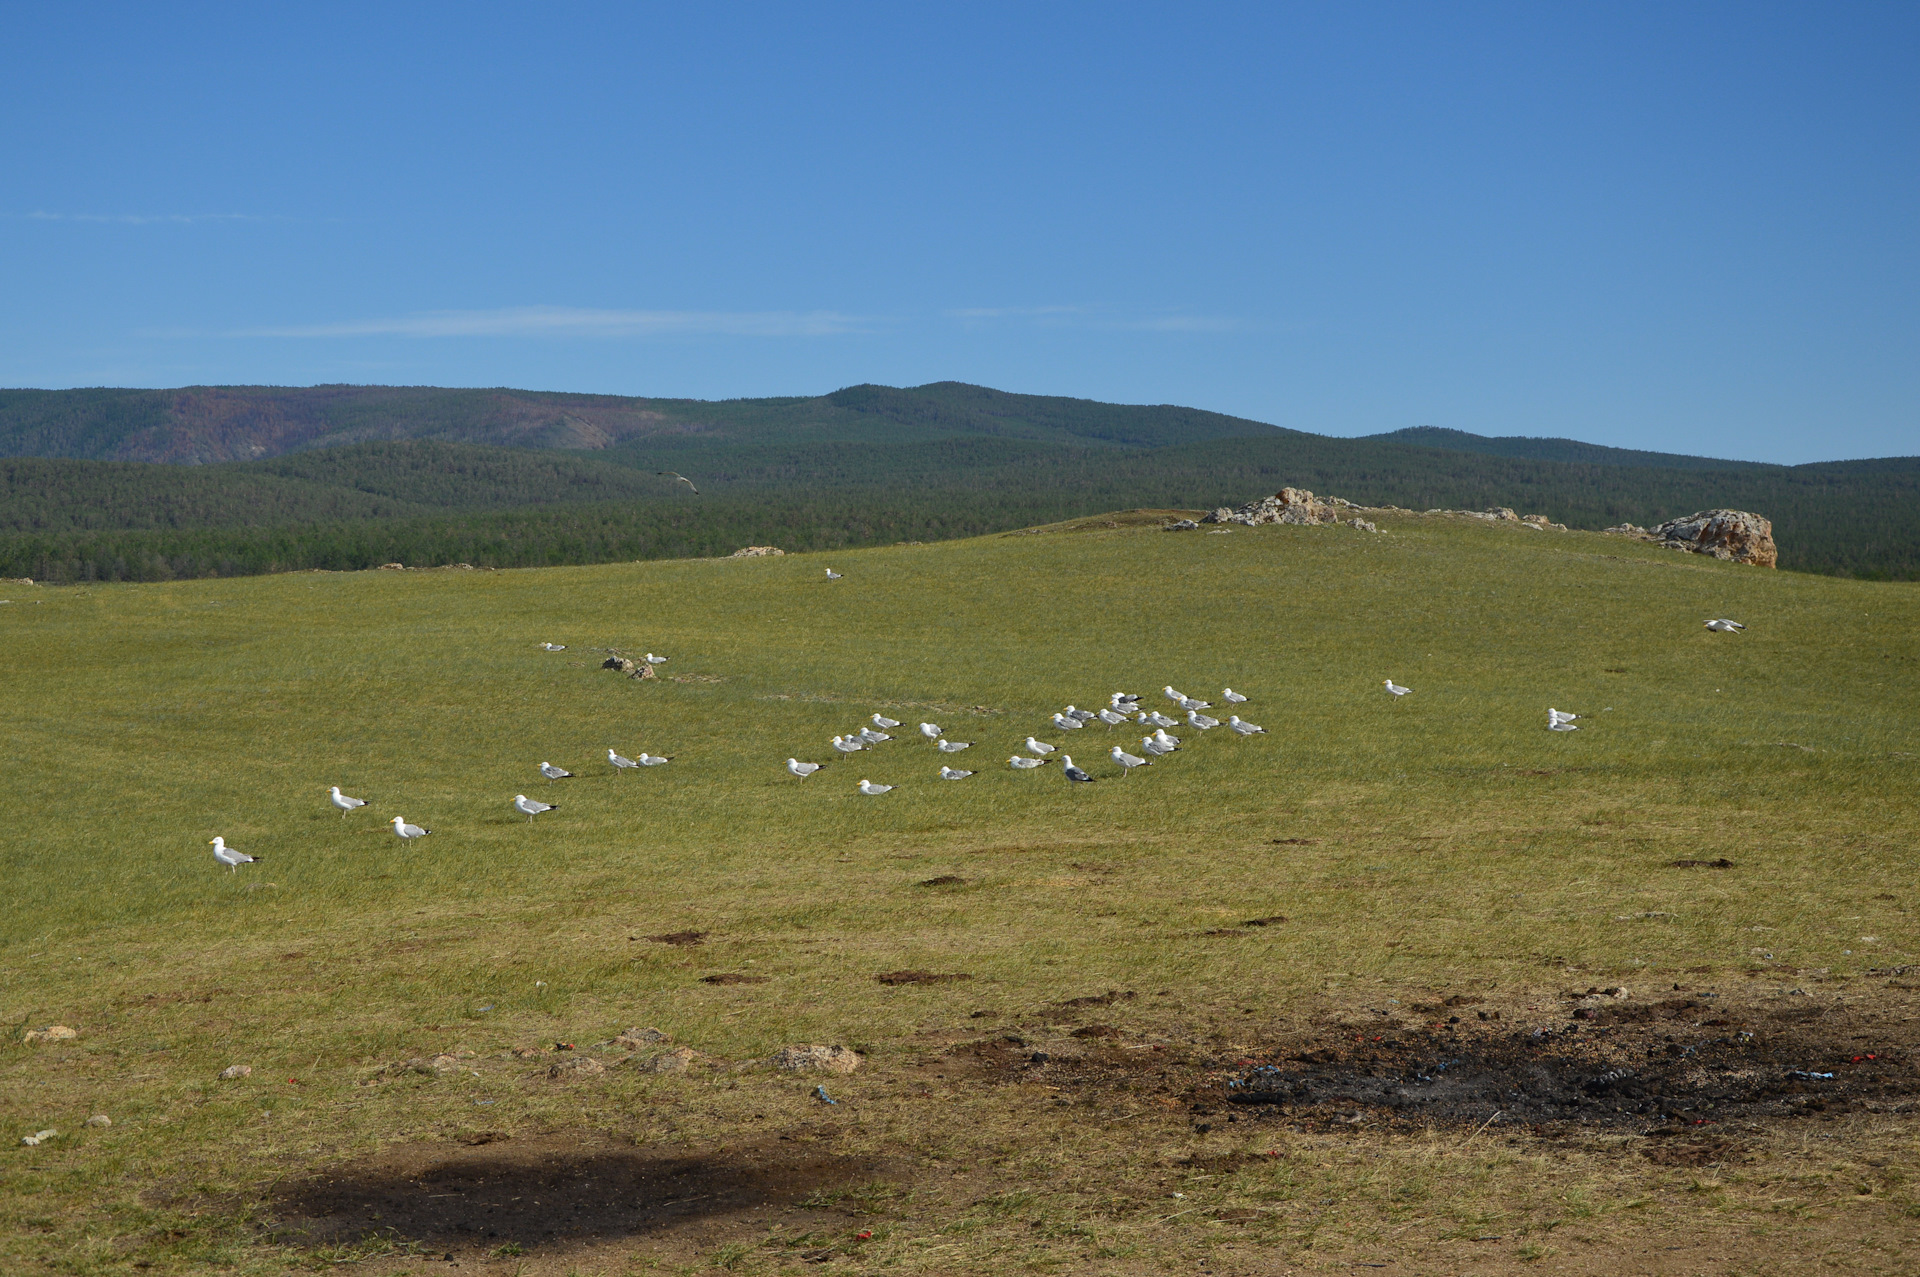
(921, 977)
(549, 1190)
(733, 977)
(680, 939)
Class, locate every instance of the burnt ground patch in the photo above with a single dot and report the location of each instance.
(550, 1190)
(1676, 1066)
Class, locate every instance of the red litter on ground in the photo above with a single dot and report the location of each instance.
(866, 1236)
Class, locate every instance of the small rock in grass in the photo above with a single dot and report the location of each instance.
(640, 1036)
(233, 1071)
(52, 1033)
(99, 1119)
(38, 1137)
(579, 1066)
(677, 1060)
(816, 1059)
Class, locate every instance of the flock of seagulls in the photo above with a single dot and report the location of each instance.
(1121, 708)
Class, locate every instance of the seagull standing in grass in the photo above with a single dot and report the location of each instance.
(1232, 697)
(1160, 734)
(344, 803)
(653, 760)
(1025, 764)
(553, 773)
(872, 790)
(228, 856)
(553, 647)
(1084, 715)
(531, 808)
(848, 744)
(832, 575)
(619, 762)
(1242, 727)
(1201, 721)
(1191, 703)
(1157, 719)
(880, 720)
(1173, 695)
(1067, 723)
(1073, 774)
(953, 746)
(1040, 746)
(408, 832)
(1396, 689)
(1126, 760)
(677, 477)
(1559, 716)
(1112, 718)
(930, 731)
(1157, 748)
(953, 773)
(872, 737)
(803, 770)
(655, 660)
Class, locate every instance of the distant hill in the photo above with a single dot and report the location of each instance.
(344, 476)
(1542, 449)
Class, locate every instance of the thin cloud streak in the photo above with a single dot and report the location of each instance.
(567, 321)
(1083, 317)
(139, 219)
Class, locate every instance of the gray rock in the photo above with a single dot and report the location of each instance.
(1180, 525)
(1736, 536)
(815, 1059)
(233, 1071)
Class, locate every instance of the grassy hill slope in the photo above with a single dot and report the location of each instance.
(1439, 845)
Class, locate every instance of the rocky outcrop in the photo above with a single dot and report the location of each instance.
(815, 1059)
(1734, 535)
(756, 551)
(1182, 525)
(1289, 505)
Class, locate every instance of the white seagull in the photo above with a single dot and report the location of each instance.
(881, 721)
(618, 761)
(653, 760)
(1126, 760)
(1201, 721)
(1158, 719)
(1112, 718)
(1066, 723)
(1083, 715)
(849, 744)
(1561, 725)
(801, 769)
(228, 856)
(677, 477)
(1559, 716)
(1026, 764)
(872, 737)
(344, 803)
(953, 746)
(656, 660)
(1724, 626)
(1160, 734)
(832, 575)
(553, 773)
(953, 773)
(1156, 747)
(553, 647)
(1396, 689)
(1073, 774)
(871, 790)
(1123, 700)
(929, 731)
(1191, 703)
(1242, 727)
(408, 832)
(1232, 697)
(526, 805)
(1173, 695)
(1040, 746)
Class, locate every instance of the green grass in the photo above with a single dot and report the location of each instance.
(1454, 842)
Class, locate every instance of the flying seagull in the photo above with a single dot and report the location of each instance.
(344, 803)
(801, 769)
(553, 773)
(408, 832)
(832, 575)
(953, 773)
(1074, 774)
(1232, 697)
(1067, 723)
(1026, 764)
(1126, 760)
(1242, 727)
(1201, 721)
(881, 720)
(929, 731)
(620, 762)
(522, 803)
(653, 760)
(849, 744)
(1396, 689)
(872, 790)
(553, 647)
(953, 746)
(1040, 746)
(1724, 626)
(228, 856)
(677, 477)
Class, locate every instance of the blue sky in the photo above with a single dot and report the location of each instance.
(1681, 226)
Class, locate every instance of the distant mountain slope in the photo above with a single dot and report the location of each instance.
(1541, 449)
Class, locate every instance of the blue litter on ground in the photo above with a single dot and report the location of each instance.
(820, 1093)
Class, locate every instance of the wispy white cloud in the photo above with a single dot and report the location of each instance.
(568, 321)
(1088, 317)
(140, 219)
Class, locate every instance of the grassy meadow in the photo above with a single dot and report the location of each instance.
(1443, 841)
